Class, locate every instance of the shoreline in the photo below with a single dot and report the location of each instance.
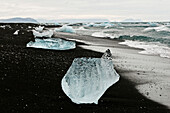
(149, 73)
(30, 80)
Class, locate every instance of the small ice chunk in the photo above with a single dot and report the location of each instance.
(47, 34)
(3, 27)
(107, 55)
(53, 44)
(102, 35)
(65, 28)
(16, 32)
(88, 78)
(39, 29)
(29, 27)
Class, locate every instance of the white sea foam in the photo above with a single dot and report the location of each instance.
(104, 24)
(149, 48)
(81, 28)
(101, 34)
(105, 35)
(158, 29)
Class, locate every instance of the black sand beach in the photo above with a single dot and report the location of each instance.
(30, 80)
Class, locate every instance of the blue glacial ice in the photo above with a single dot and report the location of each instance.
(152, 24)
(65, 28)
(88, 78)
(47, 34)
(53, 44)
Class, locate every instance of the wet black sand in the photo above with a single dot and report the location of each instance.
(30, 81)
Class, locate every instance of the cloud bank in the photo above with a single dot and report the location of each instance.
(115, 10)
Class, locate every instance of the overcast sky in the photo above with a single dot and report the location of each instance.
(115, 10)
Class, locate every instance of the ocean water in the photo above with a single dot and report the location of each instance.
(154, 40)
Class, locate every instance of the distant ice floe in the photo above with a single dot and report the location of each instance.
(149, 48)
(88, 78)
(152, 24)
(16, 32)
(158, 29)
(47, 34)
(104, 24)
(65, 28)
(52, 44)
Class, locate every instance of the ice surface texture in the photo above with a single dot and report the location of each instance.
(65, 28)
(88, 78)
(53, 44)
(107, 55)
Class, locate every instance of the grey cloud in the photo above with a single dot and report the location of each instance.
(145, 9)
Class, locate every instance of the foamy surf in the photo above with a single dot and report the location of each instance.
(149, 48)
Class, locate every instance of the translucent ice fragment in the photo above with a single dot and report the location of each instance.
(88, 78)
(53, 44)
(16, 32)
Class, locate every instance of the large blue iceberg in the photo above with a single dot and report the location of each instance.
(88, 78)
(52, 43)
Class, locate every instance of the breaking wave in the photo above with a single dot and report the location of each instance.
(152, 46)
(149, 48)
(157, 29)
(146, 39)
(133, 38)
